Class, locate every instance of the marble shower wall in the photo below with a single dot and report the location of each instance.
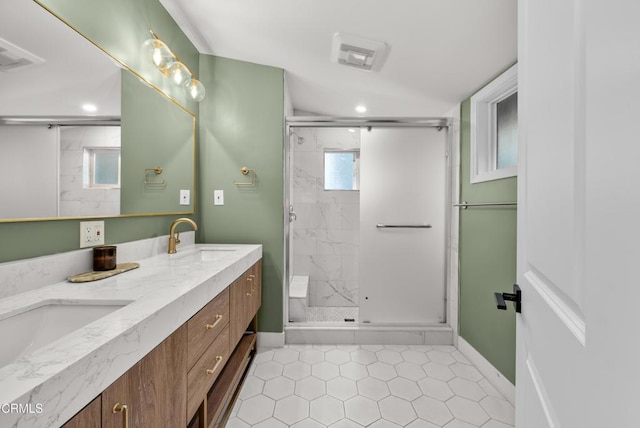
(75, 200)
(326, 234)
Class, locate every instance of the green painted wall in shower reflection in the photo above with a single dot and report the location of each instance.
(242, 124)
(487, 261)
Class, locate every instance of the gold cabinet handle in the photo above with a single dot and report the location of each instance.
(125, 413)
(211, 326)
(218, 362)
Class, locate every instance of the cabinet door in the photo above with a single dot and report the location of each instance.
(255, 279)
(154, 390)
(239, 308)
(89, 417)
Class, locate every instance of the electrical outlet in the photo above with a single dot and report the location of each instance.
(91, 233)
(185, 197)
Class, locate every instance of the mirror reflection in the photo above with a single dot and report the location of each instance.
(62, 150)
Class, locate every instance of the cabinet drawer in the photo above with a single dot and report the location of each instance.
(206, 325)
(206, 370)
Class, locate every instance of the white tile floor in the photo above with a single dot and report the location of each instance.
(352, 386)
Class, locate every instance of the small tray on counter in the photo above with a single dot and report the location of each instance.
(96, 275)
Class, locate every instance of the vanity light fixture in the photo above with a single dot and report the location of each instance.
(171, 66)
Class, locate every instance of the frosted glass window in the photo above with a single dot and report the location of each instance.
(494, 129)
(102, 167)
(341, 170)
(507, 132)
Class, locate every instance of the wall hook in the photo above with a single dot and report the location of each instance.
(245, 171)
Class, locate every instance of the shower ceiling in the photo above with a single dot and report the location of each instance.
(440, 51)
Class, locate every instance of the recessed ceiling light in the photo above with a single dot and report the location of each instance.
(361, 109)
(352, 130)
(90, 108)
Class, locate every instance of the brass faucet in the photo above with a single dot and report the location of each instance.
(174, 238)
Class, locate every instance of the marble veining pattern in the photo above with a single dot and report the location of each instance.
(326, 232)
(75, 198)
(67, 374)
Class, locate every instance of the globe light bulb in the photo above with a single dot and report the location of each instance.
(179, 73)
(159, 53)
(195, 90)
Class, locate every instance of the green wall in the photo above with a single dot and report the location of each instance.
(120, 26)
(487, 261)
(157, 132)
(242, 124)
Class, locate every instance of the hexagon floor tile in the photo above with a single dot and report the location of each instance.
(377, 386)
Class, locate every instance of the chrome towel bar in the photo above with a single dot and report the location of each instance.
(466, 204)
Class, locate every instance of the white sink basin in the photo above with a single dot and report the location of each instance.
(215, 253)
(205, 254)
(38, 326)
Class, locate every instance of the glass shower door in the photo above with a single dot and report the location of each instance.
(403, 225)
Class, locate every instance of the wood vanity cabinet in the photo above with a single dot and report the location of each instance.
(246, 295)
(154, 390)
(89, 417)
(191, 378)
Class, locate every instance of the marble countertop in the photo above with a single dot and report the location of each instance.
(55, 382)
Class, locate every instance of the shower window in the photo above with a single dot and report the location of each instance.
(341, 169)
(101, 167)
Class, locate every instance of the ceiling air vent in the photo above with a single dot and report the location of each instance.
(357, 52)
(14, 58)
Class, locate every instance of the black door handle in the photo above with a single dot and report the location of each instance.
(515, 297)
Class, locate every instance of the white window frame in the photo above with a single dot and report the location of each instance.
(356, 169)
(88, 167)
(483, 127)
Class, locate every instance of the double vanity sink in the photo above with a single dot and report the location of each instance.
(65, 343)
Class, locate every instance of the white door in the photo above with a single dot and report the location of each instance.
(578, 347)
(402, 191)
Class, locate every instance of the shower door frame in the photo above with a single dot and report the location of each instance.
(448, 124)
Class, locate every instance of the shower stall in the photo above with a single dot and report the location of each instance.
(367, 231)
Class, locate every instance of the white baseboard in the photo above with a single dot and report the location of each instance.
(497, 379)
(270, 340)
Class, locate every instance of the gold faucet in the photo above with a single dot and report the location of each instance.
(174, 238)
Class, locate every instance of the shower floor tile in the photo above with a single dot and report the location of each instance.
(341, 386)
(332, 313)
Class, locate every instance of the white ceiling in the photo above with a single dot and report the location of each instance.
(440, 50)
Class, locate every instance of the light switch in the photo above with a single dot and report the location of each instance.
(185, 197)
(218, 197)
